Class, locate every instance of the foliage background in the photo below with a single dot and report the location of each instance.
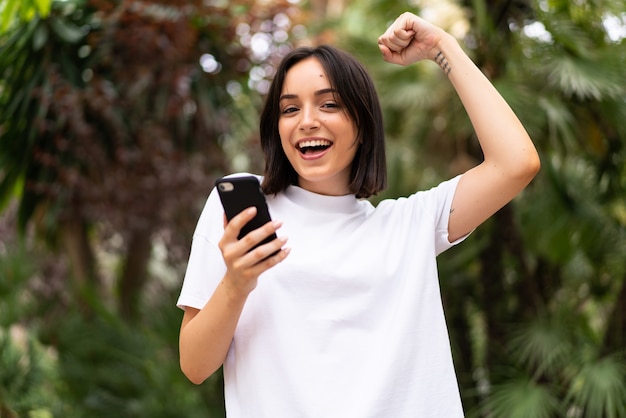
(117, 115)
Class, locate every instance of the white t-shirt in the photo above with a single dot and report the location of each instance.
(351, 323)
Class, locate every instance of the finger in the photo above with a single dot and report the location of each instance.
(269, 250)
(255, 237)
(233, 248)
(232, 228)
(397, 40)
(407, 21)
(254, 262)
(384, 50)
(403, 36)
(391, 56)
(270, 261)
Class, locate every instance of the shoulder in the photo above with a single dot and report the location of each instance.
(435, 196)
(243, 174)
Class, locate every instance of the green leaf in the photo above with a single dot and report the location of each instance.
(522, 398)
(583, 78)
(8, 14)
(9, 186)
(21, 10)
(541, 346)
(43, 7)
(40, 37)
(600, 388)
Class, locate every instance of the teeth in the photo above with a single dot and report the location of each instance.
(314, 143)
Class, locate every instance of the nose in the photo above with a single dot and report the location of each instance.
(309, 120)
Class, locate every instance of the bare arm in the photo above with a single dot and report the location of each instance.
(511, 160)
(206, 334)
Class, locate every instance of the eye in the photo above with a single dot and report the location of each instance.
(289, 109)
(331, 105)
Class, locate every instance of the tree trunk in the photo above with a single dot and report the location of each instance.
(135, 273)
(615, 335)
(526, 287)
(76, 243)
(458, 324)
(493, 293)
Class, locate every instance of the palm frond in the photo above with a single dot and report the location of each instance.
(28, 371)
(560, 122)
(521, 398)
(541, 346)
(599, 389)
(15, 11)
(584, 79)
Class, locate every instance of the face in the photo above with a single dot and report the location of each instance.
(317, 135)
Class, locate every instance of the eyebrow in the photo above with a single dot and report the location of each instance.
(317, 93)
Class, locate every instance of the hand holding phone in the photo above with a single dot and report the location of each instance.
(239, 193)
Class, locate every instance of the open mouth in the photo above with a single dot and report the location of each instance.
(313, 146)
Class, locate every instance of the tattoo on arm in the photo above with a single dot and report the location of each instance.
(451, 210)
(441, 60)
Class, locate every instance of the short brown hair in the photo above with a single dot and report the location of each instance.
(356, 90)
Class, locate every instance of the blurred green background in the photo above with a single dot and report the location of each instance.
(116, 117)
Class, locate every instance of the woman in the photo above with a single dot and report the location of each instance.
(347, 321)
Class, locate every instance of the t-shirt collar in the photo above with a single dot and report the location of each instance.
(322, 203)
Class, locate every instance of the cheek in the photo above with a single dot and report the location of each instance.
(282, 134)
(283, 129)
(285, 144)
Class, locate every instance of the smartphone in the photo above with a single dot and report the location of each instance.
(239, 193)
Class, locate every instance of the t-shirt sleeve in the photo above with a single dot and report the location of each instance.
(445, 194)
(205, 267)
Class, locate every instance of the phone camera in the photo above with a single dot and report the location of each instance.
(225, 187)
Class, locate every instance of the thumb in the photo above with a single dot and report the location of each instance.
(405, 34)
(384, 50)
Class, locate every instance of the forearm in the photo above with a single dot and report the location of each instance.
(504, 141)
(206, 335)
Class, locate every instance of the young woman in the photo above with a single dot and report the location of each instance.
(347, 320)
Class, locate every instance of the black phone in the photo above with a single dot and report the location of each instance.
(239, 193)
